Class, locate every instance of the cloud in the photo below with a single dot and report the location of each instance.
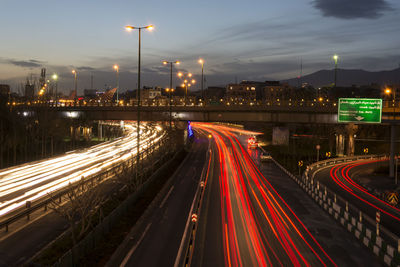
(352, 9)
(32, 63)
(85, 68)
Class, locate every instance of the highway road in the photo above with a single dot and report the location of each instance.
(36, 180)
(155, 241)
(245, 221)
(338, 178)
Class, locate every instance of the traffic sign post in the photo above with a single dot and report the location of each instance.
(378, 220)
(300, 164)
(360, 110)
(395, 170)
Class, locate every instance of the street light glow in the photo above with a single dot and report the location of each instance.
(55, 77)
(388, 91)
(116, 67)
(73, 71)
(129, 28)
(201, 61)
(335, 57)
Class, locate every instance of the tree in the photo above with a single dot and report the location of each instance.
(79, 207)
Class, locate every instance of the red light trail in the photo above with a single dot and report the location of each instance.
(259, 228)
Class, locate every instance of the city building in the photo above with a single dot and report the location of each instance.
(275, 91)
(4, 90)
(150, 93)
(29, 90)
(242, 93)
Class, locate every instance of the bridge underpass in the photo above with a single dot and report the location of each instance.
(240, 114)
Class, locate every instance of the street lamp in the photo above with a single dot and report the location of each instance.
(165, 62)
(335, 58)
(130, 28)
(116, 68)
(186, 82)
(201, 61)
(55, 79)
(76, 86)
(388, 91)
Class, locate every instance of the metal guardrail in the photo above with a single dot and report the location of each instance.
(45, 201)
(188, 240)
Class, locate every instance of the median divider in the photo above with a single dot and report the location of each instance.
(382, 244)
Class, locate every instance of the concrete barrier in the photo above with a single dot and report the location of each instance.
(386, 252)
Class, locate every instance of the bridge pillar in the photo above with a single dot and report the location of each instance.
(393, 137)
(100, 131)
(351, 130)
(340, 145)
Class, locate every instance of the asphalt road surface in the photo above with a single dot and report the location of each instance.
(338, 179)
(33, 181)
(246, 221)
(158, 238)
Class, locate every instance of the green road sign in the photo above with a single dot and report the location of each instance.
(360, 110)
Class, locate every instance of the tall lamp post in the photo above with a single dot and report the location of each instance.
(76, 86)
(201, 61)
(388, 91)
(165, 62)
(55, 79)
(116, 68)
(335, 58)
(130, 28)
(169, 91)
(186, 82)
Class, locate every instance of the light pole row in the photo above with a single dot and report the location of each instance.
(170, 89)
(130, 28)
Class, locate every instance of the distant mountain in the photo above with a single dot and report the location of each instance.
(348, 77)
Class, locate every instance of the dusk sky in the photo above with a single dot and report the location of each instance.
(247, 40)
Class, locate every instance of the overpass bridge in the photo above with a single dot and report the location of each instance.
(302, 114)
(282, 113)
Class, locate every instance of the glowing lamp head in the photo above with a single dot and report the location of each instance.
(335, 57)
(388, 91)
(55, 77)
(165, 62)
(116, 67)
(150, 27)
(189, 75)
(201, 61)
(193, 81)
(129, 28)
(180, 74)
(73, 71)
(177, 62)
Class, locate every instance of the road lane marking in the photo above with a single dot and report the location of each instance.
(128, 256)
(166, 197)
